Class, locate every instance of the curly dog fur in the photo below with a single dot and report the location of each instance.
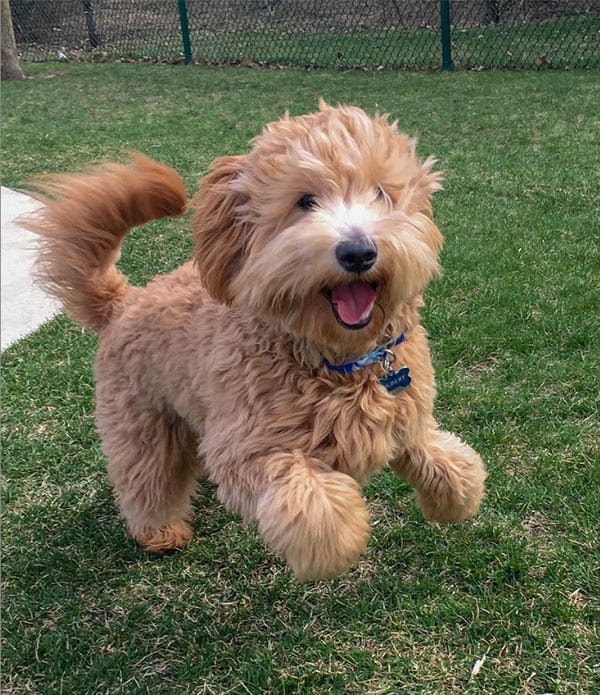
(313, 249)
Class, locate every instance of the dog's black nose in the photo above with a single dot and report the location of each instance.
(356, 256)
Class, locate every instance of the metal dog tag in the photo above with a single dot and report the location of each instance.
(396, 381)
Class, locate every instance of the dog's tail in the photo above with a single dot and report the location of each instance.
(82, 224)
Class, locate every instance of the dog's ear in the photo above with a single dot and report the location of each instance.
(426, 184)
(221, 235)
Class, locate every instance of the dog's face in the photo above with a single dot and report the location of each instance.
(324, 227)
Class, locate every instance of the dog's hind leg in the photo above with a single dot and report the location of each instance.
(153, 466)
(447, 474)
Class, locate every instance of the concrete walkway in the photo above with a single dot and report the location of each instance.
(24, 306)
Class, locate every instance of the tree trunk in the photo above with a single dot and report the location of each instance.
(11, 70)
(90, 19)
(492, 11)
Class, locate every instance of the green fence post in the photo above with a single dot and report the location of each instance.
(445, 31)
(185, 31)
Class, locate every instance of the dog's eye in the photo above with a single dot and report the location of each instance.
(307, 202)
(380, 193)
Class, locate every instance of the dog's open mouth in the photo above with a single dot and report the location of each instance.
(353, 304)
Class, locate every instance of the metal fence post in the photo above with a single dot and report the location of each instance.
(445, 34)
(185, 31)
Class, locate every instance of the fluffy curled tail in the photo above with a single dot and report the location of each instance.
(82, 224)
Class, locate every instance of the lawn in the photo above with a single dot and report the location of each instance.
(515, 338)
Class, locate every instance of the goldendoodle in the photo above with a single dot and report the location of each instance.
(287, 363)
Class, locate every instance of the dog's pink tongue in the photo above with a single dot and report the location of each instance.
(353, 302)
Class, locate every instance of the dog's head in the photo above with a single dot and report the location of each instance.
(325, 227)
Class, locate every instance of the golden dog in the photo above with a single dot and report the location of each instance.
(286, 363)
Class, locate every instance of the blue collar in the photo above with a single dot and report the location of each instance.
(378, 355)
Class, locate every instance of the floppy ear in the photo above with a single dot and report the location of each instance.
(221, 236)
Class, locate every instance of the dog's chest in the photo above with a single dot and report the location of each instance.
(355, 428)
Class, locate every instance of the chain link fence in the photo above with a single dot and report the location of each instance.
(359, 34)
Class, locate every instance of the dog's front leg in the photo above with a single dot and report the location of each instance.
(447, 474)
(312, 516)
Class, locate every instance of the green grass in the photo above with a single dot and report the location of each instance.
(514, 333)
(561, 43)
(418, 49)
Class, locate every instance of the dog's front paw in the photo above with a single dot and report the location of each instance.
(316, 520)
(455, 489)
